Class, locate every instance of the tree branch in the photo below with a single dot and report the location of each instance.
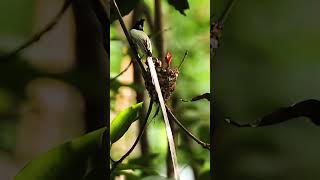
(135, 52)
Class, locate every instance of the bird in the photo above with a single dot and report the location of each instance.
(141, 39)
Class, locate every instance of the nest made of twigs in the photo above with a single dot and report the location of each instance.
(167, 77)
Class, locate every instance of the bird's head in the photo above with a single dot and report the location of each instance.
(139, 25)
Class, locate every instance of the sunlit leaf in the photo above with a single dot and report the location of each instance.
(121, 123)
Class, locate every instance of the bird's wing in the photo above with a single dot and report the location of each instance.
(142, 40)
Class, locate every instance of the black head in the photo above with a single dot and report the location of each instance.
(139, 25)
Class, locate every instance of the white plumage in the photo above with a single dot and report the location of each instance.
(142, 40)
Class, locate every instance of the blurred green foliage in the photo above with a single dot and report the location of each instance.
(268, 58)
(14, 26)
(20, 18)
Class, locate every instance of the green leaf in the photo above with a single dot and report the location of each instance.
(180, 5)
(66, 161)
(121, 123)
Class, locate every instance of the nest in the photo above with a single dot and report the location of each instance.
(215, 35)
(167, 77)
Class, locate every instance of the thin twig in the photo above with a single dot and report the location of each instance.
(116, 163)
(227, 11)
(172, 117)
(133, 48)
(123, 71)
(36, 37)
(206, 96)
(158, 33)
(185, 55)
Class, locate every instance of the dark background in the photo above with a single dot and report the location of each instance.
(269, 58)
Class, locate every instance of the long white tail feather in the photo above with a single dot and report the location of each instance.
(166, 120)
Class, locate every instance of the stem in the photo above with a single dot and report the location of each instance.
(123, 71)
(144, 143)
(156, 33)
(115, 164)
(140, 97)
(185, 55)
(229, 121)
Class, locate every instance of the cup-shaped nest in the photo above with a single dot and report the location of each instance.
(167, 77)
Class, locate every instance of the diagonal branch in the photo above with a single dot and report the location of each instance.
(36, 37)
(308, 108)
(135, 52)
(227, 11)
(123, 71)
(172, 117)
